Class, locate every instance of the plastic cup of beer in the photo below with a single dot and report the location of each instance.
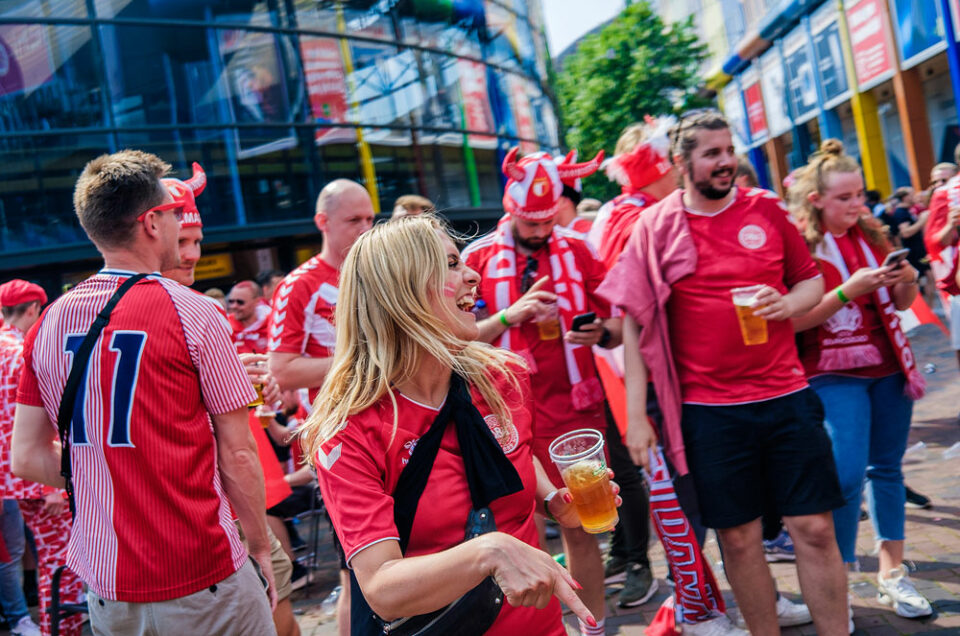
(579, 457)
(548, 322)
(753, 328)
(265, 414)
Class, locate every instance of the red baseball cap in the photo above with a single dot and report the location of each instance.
(17, 291)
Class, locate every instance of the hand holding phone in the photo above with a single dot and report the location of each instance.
(582, 320)
(895, 257)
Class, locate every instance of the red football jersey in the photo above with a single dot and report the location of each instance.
(152, 522)
(303, 306)
(252, 338)
(11, 363)
(555, 414)
(749, 242)
(358, 471)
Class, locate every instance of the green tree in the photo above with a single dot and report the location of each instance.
(634, 66)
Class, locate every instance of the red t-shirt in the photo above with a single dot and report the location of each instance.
(555, 414)
(303, 307)
(749, 242)
(153, 522)
(252, 338)
(276, 487)
(359, 467)
(580, 225)
(626, 211)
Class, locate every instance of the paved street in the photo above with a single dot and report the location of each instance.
(933, 536)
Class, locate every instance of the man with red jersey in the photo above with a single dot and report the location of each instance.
(301, 330)
(301, 325)
(20, 305)
(536, 277)
(248, 317)
(641, 166)
(742, 417)
(941, 237)
(160, 444)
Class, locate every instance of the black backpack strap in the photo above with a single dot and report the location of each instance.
(77, 371)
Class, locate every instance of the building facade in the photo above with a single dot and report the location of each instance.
(873, 73)
(274, 99)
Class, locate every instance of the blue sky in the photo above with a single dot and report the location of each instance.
(569, 19)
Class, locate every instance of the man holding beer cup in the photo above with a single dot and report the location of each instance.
(708, 281)
(536, 278)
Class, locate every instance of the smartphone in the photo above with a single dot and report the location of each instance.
(895, 257)
(583, 319)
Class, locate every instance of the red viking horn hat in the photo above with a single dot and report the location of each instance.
(510, 167)
(570, 171)
(198, 181)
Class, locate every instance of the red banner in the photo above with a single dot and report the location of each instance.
(476, 100)
(326, 87)
(756, 116)
(872, 53)
(522, 113)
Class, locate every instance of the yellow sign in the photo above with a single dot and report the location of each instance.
(304, 254)
(214, 266)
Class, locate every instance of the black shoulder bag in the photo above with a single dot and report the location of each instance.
(490, 475)
(77, 371)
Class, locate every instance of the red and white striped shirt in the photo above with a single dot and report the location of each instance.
(152, 521)
(11, 362)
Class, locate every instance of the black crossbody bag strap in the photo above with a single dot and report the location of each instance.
(77, 371)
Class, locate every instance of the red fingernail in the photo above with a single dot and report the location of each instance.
(567, 497)
(577, 586)
(592, 622)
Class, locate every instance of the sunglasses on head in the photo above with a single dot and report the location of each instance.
(690, 117)
(177, 208)
(236, 301)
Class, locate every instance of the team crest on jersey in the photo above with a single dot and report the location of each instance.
(506, 434)
(409, 445)
(752, 237)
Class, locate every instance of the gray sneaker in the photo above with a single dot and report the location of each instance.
(638, 587)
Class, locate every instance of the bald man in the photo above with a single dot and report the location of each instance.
(301, 326)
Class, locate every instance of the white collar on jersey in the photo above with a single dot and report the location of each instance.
(122, 272)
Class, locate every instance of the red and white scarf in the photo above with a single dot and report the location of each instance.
(946, 270)
(854, 350)
(499, 285)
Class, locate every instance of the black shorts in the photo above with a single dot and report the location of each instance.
(765, 456)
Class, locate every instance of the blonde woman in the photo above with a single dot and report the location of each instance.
(404, 354)
(859, 361)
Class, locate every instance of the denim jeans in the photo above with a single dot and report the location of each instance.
(11, 587)
(868, 420)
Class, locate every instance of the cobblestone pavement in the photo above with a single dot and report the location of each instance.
(933, 536)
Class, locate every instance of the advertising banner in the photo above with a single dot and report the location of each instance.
(801, 80)
(753, 98)
(326, 88)
(872, 52)
(774, 92)
(831, 72)
(25, 60)
(919, 30)
(476, 101)
(522, 113)
(733, 110)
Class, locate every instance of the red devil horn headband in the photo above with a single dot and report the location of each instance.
(198, 181)
(579, 170)
(510, 167)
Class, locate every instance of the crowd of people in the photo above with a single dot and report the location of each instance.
(156, 441)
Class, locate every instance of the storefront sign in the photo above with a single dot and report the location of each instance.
(774, 92)
(872, 53)
(801, 80)
(831, 72)
(733, 110)
(919, 30)
(753, 98)
(326, 88)
(214, 266)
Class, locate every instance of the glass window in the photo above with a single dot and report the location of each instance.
(396, 173)
(489, 178)
(50, 79)
(37, 177)
(384, 87)
(322, 15)
(277, 185)
(502, 48)
(44, 8)
(240, 10)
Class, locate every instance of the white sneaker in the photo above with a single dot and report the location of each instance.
(898, 591)
(25, 627)
(850, 626)
(790, 613)
(719, 626)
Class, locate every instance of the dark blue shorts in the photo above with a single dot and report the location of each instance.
(765, 456)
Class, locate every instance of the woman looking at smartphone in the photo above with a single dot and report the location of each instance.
(405, 349)
(859, 361)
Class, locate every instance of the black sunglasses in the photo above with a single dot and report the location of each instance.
(529, 275)
(234, 301)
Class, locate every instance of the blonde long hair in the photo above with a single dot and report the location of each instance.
(812, 178)
(386, 328)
